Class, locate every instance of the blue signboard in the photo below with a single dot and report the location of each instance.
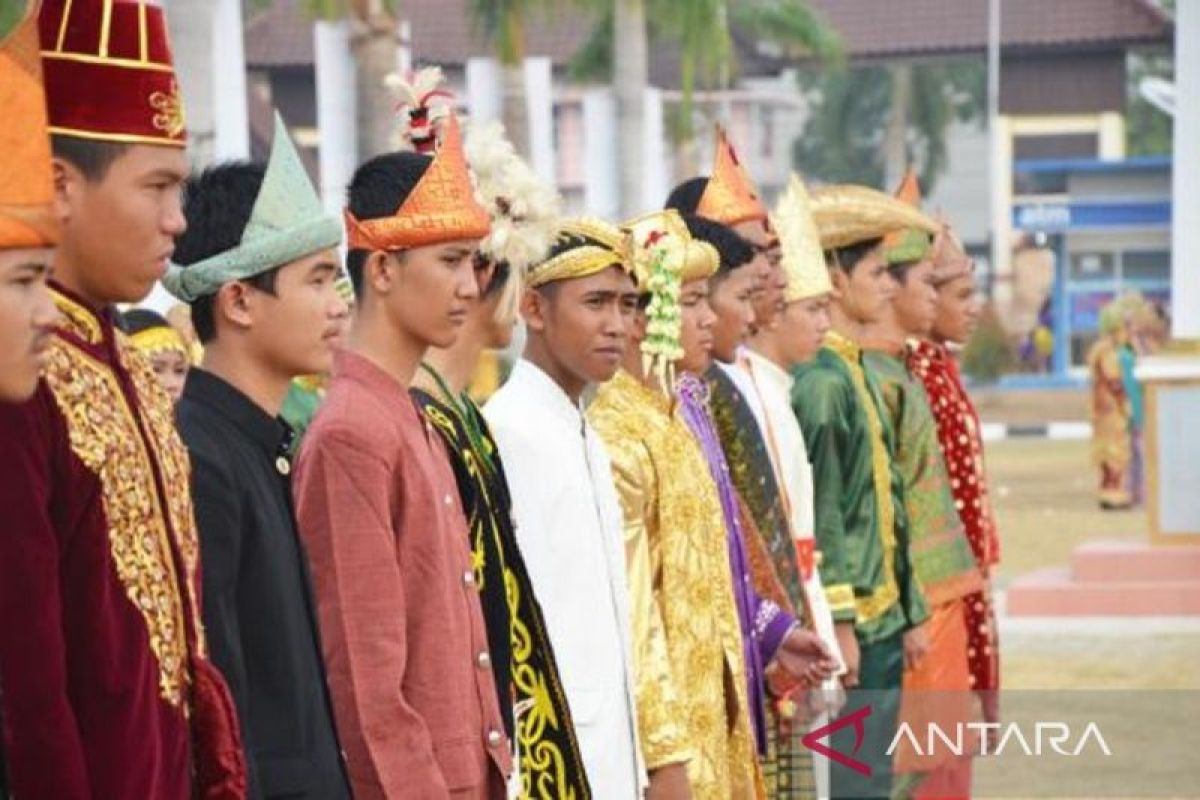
(1060, 217)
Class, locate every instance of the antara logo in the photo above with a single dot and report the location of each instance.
(856, 718)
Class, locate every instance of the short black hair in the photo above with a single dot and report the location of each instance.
(685, 198)
(846, 258)
(732, 247)
(217, 204)
(136, 320)
(92, 157)
(500, 274)
(377, 189)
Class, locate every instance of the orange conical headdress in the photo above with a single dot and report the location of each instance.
(26, 186)
(440, 208)
(729, 198)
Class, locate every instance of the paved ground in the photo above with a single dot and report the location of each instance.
(1031, 406)
(1137, 679)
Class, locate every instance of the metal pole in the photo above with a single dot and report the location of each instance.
(998, 193)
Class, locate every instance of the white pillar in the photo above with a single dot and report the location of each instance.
(1185, 194)
(485, 89)
(655, 167)
(601, 193)
(539, 102)
(231, 121)
(336, 111)
(190, 23)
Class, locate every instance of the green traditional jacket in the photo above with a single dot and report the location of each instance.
(941, 555)
(861, 524)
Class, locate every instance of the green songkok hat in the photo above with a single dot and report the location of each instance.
(287, 223)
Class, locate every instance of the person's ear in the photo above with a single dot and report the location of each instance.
(68, 185)
(533, 309)
(233, 305)
(637, 327)
(378, 272)
(840, 280)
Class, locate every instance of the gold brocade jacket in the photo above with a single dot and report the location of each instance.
(688, 661)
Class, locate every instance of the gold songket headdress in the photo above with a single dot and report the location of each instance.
(803, 262)
(601, 245)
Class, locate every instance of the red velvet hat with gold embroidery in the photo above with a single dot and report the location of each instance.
(108, 72)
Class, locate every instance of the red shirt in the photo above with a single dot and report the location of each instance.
(101, 649)
(404, 638)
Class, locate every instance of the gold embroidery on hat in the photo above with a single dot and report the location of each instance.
(169, 106)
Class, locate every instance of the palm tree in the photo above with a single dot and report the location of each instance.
(375, 49)
(867, 124)
(502, 23)
(702, 31)
(629, 54)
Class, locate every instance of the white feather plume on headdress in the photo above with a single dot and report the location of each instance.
(422, 106)
(524, 209)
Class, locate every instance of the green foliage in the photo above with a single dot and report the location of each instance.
(989, 354)
(791, 26)
(323, 9)
(850, 108)
(1147, 128)
(502, 24)
(592, 62)
(702, 30)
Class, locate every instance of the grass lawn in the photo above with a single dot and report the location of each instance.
(1044, 495)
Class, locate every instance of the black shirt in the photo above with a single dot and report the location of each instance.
(258, 605)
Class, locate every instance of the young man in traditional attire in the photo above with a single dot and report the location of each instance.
(737, 413)
(258, 265)
(108, 688)
(404, 637)
(794, 339)
(577, 306)
(524, 223)
(861, 525)
(162, 346)
(728, 197)
(961, 440)
(936, 689)
(28, 226)
(699, 732)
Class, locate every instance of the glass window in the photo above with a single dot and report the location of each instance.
(1090, 266)
(1146, 265)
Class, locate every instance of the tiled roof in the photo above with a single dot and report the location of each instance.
(442, 31)
(881, 28)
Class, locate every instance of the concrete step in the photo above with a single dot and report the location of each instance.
(1108, 561)
(1053, 593)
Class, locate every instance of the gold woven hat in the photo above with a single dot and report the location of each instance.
(803, 262)
(848, 214)
(602, 245)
